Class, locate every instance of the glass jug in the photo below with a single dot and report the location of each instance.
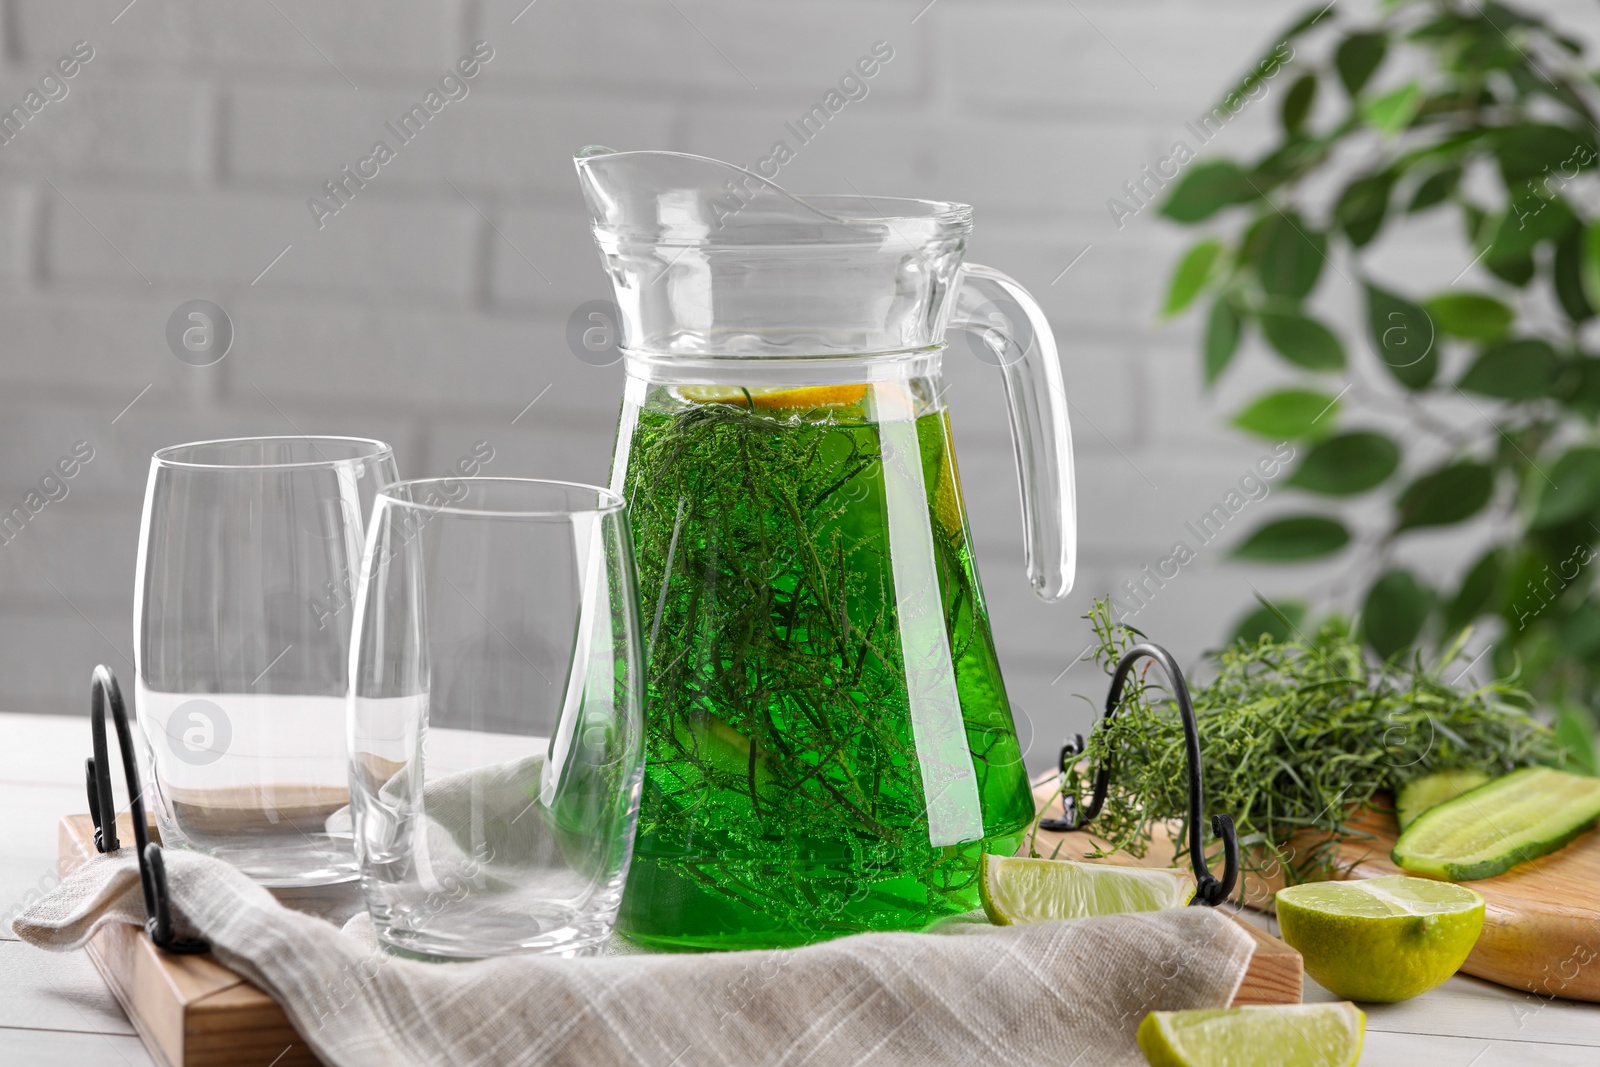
(829, 747)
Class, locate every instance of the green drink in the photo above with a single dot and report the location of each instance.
(810, 599)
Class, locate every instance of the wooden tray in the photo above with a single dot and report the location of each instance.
(189, 1010)
(193, 1012)
(1541, 933)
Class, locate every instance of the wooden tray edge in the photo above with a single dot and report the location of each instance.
(179, 989)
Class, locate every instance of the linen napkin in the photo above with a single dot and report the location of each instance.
(1062, 993)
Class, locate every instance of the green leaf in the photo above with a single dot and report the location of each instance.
(1393, 613)
(1286, 163)
(1575, 735)
(1580, 387)
(1534, 151)
(1394, 110)
(1514, 370)
(1302, 340)
(1402, 336)
(1223, 327)
(1298, 102)
(1538, 218)
(1516, 270)
(1194, 270)
(1474, 220)
(1207, 188)
(1299, 537)
(1590, 267)
(1292, 256)
(1578, 631)
(1436, 189)
(1573, 490)
(1358, 56)
(1568, 277)
(1477, 592)
(1470, 315)
(1296, 28)
(1485, 47)
(1347, 464)
(1279, 625)
(1435, 29)
(1528, 220)
(1448, 151)
(1289, 414)
(1362, 206)
(1524, 599)
(1268, 66)
(1445, 496)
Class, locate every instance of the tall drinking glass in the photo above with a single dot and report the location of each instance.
(242, 610)
(495, 722)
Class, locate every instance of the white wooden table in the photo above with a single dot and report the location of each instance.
(54, 1009)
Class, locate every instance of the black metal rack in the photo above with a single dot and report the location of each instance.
(1210, 890)
(103, 691)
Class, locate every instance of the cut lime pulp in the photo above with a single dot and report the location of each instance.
(1381, 939)
(1017, 890)
(1291, 1035)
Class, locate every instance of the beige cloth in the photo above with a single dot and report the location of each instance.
(1060, 993)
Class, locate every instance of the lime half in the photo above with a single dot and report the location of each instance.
(1381, 939)
(1293, 1035)
(1016, 890)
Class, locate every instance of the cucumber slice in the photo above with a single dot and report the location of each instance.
(1500, 824)
(1431, 790)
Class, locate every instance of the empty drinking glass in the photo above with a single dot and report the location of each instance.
(247, 557)
(495, 722)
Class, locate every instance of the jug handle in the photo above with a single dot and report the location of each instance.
(1007, 327)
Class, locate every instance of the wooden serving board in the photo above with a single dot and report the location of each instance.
(190, 1011)
(193, 1012)
(1541, 930)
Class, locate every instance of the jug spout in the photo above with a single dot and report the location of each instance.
(674, 197)
(711, 259)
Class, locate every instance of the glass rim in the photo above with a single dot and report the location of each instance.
(164, 456)
(610, 503)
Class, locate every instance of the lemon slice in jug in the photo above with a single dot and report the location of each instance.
(802, 398)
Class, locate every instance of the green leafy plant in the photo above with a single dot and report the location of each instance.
(1297, 737)
(1483, 112)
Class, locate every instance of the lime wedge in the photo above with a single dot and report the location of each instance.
(1016, 890)
(1291, 1035)
(1381, 939)
(1502, 823)
(1431, 790)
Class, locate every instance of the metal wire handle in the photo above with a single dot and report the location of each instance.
(103, 690)
(1209, 890)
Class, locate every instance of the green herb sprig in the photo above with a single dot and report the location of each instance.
(1296, 736)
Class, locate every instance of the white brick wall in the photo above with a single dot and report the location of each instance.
(102, 128)
(433, 308)
(15, 212)
(235, 37)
